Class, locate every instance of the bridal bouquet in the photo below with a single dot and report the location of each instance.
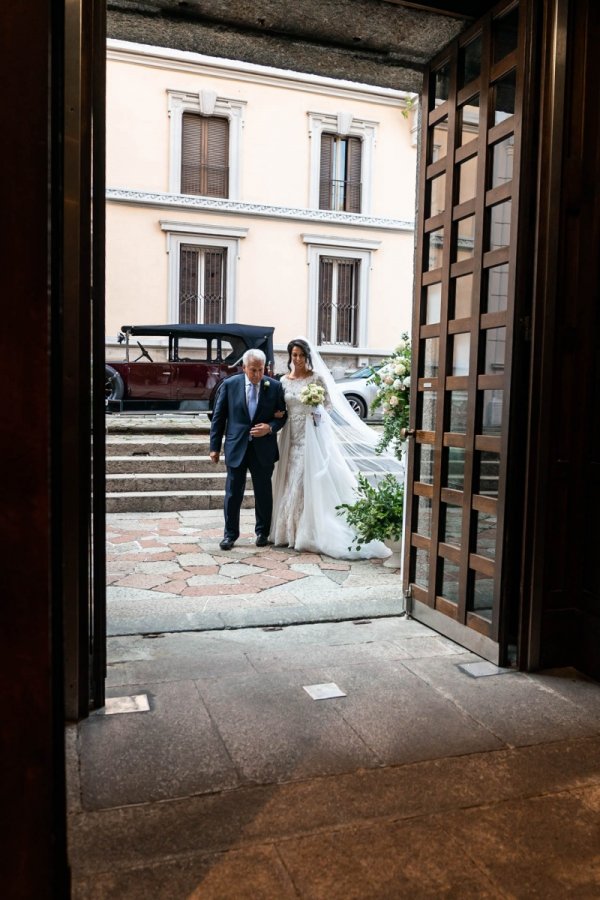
(312, 394)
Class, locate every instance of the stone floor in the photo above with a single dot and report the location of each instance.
(165, 572)
(418, 780)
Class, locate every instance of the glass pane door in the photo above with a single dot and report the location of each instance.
(463, 331)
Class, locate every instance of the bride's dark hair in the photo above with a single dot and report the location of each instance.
(305, 349)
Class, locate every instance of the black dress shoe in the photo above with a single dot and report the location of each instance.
(226, 544)
(262, 541)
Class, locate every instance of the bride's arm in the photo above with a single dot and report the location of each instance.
(326, 399)
(280, 412)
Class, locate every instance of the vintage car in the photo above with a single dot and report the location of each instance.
(184, 366)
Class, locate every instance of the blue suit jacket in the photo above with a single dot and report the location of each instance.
(231, 418)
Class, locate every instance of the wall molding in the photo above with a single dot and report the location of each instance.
(161, 200)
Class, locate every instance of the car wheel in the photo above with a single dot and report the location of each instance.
(358, 405)
(114, 389)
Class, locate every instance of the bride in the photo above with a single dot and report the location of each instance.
(323, 447)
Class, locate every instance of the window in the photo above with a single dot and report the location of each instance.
(338, 301)
(339, 284)
(202, 284)
(341, 162)
(205, 155)
(340, 173)
(205, 141)
(202, 272)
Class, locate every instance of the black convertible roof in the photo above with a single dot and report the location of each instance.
(252, 335)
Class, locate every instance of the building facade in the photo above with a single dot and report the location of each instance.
(243, 193)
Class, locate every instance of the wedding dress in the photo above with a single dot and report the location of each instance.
(320, 451)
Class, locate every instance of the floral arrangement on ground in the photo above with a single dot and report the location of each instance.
(376, 514)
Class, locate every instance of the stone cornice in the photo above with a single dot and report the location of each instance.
(216, 67)
(162, 200)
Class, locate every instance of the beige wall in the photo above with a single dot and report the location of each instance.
(272, 272)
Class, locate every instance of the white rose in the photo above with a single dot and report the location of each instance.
(394, 401)
(388, 379)
(407, 381)
(400, 369)
(398, 384)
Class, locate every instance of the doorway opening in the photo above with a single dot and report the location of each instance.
(323, 246)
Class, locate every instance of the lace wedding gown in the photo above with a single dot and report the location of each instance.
(311, 479)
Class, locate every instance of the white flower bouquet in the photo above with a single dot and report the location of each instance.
(312, 394)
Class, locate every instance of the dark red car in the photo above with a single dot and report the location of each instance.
(195, 360)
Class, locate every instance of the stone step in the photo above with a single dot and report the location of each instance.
(139, 465)
(157, 423)
(170, 482)
(138, 445)
(171, 501)
(160, 463)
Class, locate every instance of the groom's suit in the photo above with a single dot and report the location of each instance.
(231, 418)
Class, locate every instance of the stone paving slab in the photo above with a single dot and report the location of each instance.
(518, 708)
(361, 822)
(166, 572)
(241, 874)
(173, 750)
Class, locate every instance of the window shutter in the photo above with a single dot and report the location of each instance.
(324, 323)
(191, 142)
(338, 301)
(346, 302)
(214, 285)
(188, 285)
(325, 172)
(217, 157)
(205, 155)
(353, 174)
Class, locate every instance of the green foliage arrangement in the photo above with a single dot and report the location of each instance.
(377, 511)
(393, 396)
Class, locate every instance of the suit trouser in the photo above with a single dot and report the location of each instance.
(234, 494)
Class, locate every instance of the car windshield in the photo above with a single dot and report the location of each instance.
(364, 373)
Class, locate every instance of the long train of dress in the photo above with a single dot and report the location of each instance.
(311, 479)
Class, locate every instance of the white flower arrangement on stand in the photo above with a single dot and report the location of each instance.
(393, 396)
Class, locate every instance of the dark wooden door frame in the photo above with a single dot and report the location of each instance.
(79, 331)
(560, 590)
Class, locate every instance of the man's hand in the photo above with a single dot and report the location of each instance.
(214, 455)
(260, 430)
(279, 414)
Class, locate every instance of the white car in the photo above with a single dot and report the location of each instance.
(359, 393)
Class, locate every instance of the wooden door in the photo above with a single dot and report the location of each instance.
(464, 335)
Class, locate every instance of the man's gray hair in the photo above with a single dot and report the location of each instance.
(254, 353)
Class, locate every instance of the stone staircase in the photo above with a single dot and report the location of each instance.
(160, 463)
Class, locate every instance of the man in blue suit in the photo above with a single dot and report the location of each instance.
(245, 413)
